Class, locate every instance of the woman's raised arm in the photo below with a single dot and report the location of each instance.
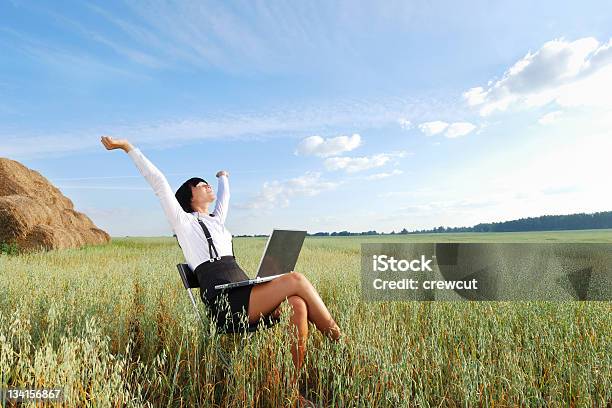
(223, 196)
(173, 210)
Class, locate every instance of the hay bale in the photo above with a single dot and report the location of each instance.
(36, 215)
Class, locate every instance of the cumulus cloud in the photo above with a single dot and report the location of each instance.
(568, 73)
(450, 130)
(384, 175)
(549, 118)
(433, 128)
(318, 146)
(278, 193)
(356, 164)
(405, 123)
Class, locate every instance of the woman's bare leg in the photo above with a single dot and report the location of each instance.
(299, 319)
(265, 297)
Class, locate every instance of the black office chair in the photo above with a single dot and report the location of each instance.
(191, 281)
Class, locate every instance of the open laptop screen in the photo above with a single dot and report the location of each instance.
(281, 253)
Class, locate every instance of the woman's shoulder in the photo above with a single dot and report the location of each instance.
(186, 222)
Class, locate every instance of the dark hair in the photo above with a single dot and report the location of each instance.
(183, 194)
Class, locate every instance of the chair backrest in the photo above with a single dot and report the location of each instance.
(190, 280)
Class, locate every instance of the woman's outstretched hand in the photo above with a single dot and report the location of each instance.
(222, 172)
(112, 144)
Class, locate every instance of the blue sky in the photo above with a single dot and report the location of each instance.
(328, 115)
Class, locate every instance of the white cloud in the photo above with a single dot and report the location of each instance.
(550, 118)
(459, 129)
(316, 145)
(433, 128)
(451, 130)
(405, 123)
(569, 73)
(278, 193)
(475, 96)
(355, 164)
(383, 175)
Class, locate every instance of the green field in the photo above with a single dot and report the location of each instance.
(113, 326)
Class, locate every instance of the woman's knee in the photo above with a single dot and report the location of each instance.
(298, 279)
(298, 305)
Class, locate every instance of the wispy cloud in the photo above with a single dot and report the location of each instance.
(356, 164)
(278, 193)
(550, 118)
(273, 123)
(69, 61)
(316, 145)
(134, 55)
(96, 178)
(419, 192)
(89, 187)
(405, 123)
(121, 221)
(383, 175)
(212, 34)
(450, 130)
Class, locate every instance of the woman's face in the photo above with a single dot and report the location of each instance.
(202, 193)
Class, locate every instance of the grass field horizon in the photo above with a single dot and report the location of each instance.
(586, 235)
(112, 324)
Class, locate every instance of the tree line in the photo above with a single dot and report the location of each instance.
(598, 220)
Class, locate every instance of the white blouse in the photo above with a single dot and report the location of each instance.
(185, 225)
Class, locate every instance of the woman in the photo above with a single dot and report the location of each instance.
(188, 214)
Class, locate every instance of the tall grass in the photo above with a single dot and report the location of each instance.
(113, 326)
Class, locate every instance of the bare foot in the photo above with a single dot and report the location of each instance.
(334, 332)
(303, 402)
(300, 397)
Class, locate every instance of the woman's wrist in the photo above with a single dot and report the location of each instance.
(127, 147)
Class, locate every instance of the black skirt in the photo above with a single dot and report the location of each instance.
(227, 307)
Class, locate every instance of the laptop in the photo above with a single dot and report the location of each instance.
(279, 257)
